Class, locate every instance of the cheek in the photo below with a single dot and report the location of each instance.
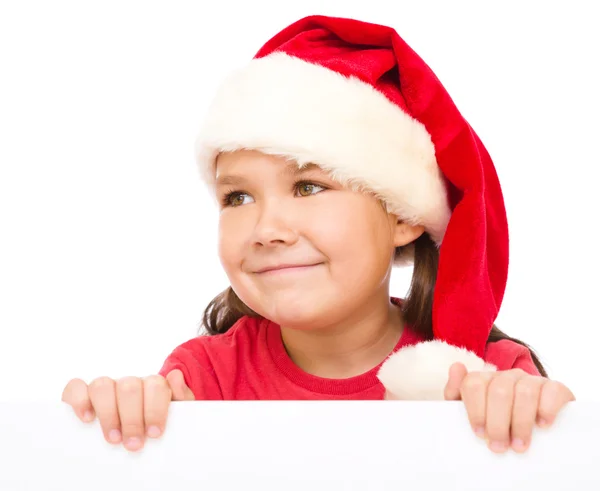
(355, 234)
(230, 240)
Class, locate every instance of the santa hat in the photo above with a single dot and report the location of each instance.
(355, 99)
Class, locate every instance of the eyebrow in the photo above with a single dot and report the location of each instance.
(290, 169)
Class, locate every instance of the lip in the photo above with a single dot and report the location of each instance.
(286, 268)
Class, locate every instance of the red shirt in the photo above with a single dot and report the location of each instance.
(249, 362)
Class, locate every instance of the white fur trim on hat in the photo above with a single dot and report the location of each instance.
(420, 372)
(283, 105)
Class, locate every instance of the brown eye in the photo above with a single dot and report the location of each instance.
(308, 189)
(235, 199)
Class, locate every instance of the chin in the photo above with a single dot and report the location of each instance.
(305, 322)
(299, 311)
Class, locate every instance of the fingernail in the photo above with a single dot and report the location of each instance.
(114, 436)
(88, 416)
(518, 444)
(497, 446)
(133, 443)
(153, 431)
(480, 432)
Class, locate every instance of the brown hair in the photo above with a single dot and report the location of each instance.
(226, 308)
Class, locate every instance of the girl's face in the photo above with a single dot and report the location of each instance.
(299, 248)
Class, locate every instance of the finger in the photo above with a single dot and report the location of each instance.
(104, 401)
(500, 398)
(157, 396)
(390, 396)
(180, 391)
(553, 397)
(130, 401)
(525, 408)
(76, 395)
(456, 375)
(474, 395)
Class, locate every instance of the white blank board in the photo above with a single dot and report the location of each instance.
(379, 445)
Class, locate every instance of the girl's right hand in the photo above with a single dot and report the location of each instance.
(128, 409)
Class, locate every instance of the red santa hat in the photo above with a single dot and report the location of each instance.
(355, 99)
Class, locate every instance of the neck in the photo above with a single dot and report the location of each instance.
(350, 347)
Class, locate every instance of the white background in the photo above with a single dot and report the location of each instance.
(107, 236)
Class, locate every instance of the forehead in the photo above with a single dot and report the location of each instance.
(236, 169)
(234, 166)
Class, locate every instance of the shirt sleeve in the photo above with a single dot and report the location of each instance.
(197, 372)
(507, 355)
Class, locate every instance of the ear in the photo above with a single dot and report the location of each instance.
(405, 233)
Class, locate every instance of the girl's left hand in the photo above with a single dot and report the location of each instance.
(504, 406)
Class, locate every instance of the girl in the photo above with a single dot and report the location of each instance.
(335, 155)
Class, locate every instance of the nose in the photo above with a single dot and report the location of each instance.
(274, 225)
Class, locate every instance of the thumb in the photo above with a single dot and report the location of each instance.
(179, 390)
(456, 375)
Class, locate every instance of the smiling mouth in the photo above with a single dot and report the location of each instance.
(287, 268)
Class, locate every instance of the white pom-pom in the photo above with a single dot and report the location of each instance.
(420, 372)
